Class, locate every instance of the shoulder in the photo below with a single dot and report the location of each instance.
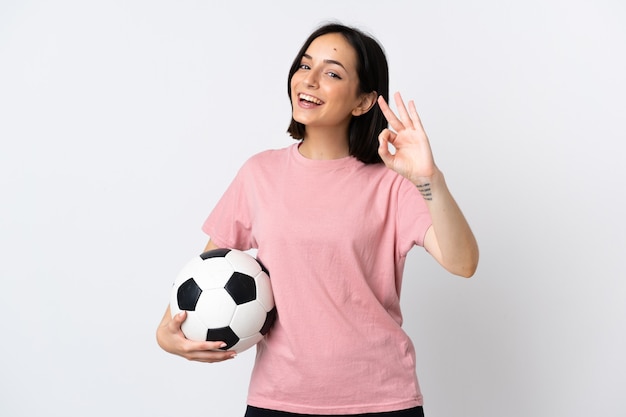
(264, 163)
(382, 173)
(268, 156)
(387, 184)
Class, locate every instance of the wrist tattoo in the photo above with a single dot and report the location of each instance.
(424, 189)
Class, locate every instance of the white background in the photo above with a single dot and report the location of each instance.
(122, 122)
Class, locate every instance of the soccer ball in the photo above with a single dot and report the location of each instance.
(228, 297)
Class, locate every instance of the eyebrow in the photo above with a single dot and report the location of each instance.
(327, 61)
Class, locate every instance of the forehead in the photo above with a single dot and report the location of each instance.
(333, 46)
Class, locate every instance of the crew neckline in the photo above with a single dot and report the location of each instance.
(321, 163)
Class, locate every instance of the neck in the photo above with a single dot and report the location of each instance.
(324, 144)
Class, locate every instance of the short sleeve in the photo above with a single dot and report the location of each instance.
(229, 224)
(413, 217)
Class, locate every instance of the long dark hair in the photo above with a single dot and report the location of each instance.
(373, 73)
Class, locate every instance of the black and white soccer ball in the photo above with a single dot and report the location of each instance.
(228, 297)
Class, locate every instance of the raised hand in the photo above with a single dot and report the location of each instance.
(413, 157)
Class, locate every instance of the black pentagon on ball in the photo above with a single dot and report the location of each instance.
(188, 295)
(214, 253)
(241, 288)
(223, 334)
(269, 320)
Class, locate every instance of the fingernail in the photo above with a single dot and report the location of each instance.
(223, 345)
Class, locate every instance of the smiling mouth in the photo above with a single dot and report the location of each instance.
(309, 99)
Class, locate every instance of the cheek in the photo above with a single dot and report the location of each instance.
(292, 85)
(295, 80)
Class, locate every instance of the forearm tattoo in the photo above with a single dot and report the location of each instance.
(424, 189)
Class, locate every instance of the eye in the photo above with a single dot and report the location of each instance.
(333, 75)
(304, 67)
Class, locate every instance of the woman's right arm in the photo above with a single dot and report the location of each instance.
(171, 338)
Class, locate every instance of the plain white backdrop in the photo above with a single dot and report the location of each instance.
(122, 122)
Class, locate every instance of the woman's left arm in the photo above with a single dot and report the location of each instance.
(449, 240)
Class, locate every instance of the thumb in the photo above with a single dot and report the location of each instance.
(179, 318)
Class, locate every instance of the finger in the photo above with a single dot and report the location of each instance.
(215, 345)
(211, 356)
(404, 114)
(414, 115)
(190, 345)
(207, 351)
(394, 122)
(178, 319)
(216, 352)
(388, 136)
(383, 147)
(219, 357)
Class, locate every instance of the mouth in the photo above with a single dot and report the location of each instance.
(309, 99)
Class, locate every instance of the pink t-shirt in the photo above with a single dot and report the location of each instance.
(334, 235)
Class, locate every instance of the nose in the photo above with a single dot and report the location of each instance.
(311, 80)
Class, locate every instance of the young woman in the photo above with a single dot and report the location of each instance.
(333, 217)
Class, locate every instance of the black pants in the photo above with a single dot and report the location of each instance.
(261, 412)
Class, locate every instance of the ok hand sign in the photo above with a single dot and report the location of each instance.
(413, 157)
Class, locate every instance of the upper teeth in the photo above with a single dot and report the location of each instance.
(310, 98)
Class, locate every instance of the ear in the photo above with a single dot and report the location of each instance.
(365, 104)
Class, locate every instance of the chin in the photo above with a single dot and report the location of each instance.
(299, 118)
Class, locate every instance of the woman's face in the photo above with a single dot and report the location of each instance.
(324, 90)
